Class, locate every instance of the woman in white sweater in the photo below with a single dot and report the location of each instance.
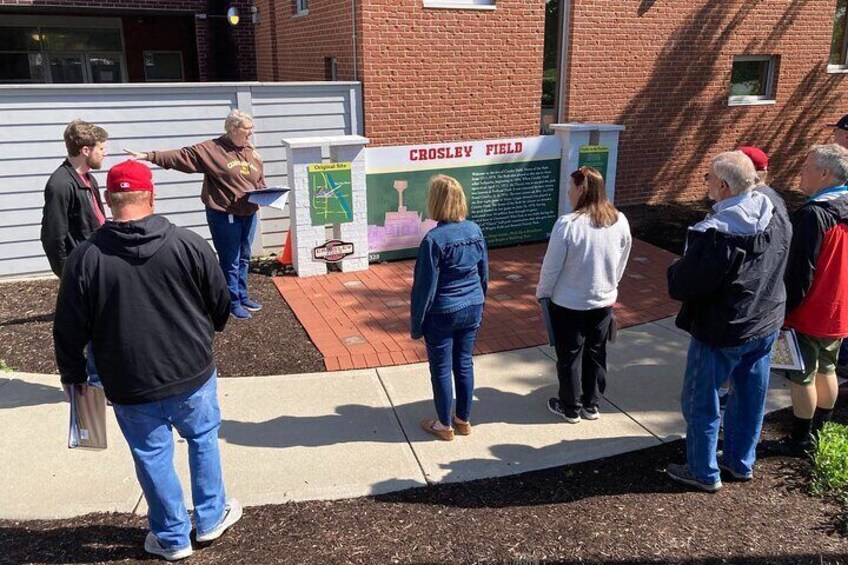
(585, 260)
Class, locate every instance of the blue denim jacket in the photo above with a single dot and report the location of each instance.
(451, 273)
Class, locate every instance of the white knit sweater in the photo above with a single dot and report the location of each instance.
(583, 264)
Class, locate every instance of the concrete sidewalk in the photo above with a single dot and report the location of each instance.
(354, 433)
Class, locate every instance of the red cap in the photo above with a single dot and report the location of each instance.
(129, 176)
(757, 156)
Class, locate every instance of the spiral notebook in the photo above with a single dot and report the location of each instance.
(87, 428)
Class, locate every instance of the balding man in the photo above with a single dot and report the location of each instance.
(730, 280)
(817, 295)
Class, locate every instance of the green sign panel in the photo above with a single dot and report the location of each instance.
(595, 156)
(330, 193)
(512, 202)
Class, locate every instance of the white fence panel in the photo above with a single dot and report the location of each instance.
(145, 117)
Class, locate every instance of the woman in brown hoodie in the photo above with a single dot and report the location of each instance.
(231, 169)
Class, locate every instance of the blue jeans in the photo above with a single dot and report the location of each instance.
(233, 236)
(707, 369)
(450, 345)
(148, 431)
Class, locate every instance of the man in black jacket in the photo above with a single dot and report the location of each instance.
(730, 280)
(149, 296)
(72, 205)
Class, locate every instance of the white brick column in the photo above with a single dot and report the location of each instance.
(573, 137)
(303, 152)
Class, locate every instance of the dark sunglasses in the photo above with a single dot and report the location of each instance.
(579, 176)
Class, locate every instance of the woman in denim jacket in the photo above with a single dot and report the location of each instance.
(451, 276)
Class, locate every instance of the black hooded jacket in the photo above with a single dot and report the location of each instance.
(148, 295)
(731, 285)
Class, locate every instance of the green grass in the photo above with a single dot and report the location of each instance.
(4, 368)
(830, 462)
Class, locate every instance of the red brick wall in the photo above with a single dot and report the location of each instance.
(303, 42)
(663, 70)
(440, 75)
(207, 33)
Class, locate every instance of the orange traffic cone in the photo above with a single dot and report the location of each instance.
(286, 258)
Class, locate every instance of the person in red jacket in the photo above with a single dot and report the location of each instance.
(817, 292)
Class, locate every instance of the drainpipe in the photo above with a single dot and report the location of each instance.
(564, 36)
(353, 27)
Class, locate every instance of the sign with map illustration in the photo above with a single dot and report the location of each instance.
(330, 193)
(512, 187)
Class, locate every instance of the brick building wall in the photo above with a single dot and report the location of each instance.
(663, 70)
(439, 75)
(294, 47)
(214, 63)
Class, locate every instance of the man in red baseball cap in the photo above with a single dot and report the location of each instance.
(840, 131)
(149, 295)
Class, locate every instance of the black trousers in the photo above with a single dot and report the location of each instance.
(581, 348)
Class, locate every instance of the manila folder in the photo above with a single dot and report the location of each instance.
(88, 419)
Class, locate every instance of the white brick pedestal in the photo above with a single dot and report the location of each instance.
(305, 151)
(573, 137)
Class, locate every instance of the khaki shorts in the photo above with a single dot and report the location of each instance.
(820, 356)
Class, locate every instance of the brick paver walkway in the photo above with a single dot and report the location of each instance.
(361, 320)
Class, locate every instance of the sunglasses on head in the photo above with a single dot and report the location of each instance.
(579, 176)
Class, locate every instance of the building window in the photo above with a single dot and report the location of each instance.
(461, 4)
(61, 50)
(301, 7)
(839, 41)
(752, 80)
(163, 66)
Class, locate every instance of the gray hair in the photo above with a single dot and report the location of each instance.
(832, 158)
(737, 170)
(235, 120)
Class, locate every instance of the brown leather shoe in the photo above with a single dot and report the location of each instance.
(444, 435)
(462, 428)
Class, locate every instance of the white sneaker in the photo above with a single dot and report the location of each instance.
(232, 514)
(152, 545)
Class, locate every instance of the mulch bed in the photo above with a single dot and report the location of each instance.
(617, 510)
(271, 343)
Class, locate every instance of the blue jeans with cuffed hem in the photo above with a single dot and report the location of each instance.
(707, 369)
(233, 237)
(450, 345)
(148, 429)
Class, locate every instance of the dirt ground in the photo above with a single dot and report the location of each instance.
(271, 343)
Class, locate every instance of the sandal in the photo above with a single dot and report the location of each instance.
(462, 428)
(444, 435)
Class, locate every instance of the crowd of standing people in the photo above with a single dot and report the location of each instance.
(140, 300)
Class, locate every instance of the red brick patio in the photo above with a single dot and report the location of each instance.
(361, 320)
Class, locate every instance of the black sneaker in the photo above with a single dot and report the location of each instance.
(789, 447)
(590, 413)
(570, 416)
(728, 471)
(682, 475)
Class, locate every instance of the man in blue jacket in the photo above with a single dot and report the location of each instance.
(730, 280)
(149, 295)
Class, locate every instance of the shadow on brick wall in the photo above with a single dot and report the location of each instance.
(681, 117)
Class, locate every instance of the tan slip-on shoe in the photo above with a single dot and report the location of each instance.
(462, 428)
(444, 435)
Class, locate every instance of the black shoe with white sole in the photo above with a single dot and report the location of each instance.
(556, 407)
(590, 413)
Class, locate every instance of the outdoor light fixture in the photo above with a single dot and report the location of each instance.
(232, 16)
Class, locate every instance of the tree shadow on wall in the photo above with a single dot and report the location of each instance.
(680, 118)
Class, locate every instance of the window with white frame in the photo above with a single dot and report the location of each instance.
(301, 7)
(839, 42)
(461, 4)
(753, 80)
